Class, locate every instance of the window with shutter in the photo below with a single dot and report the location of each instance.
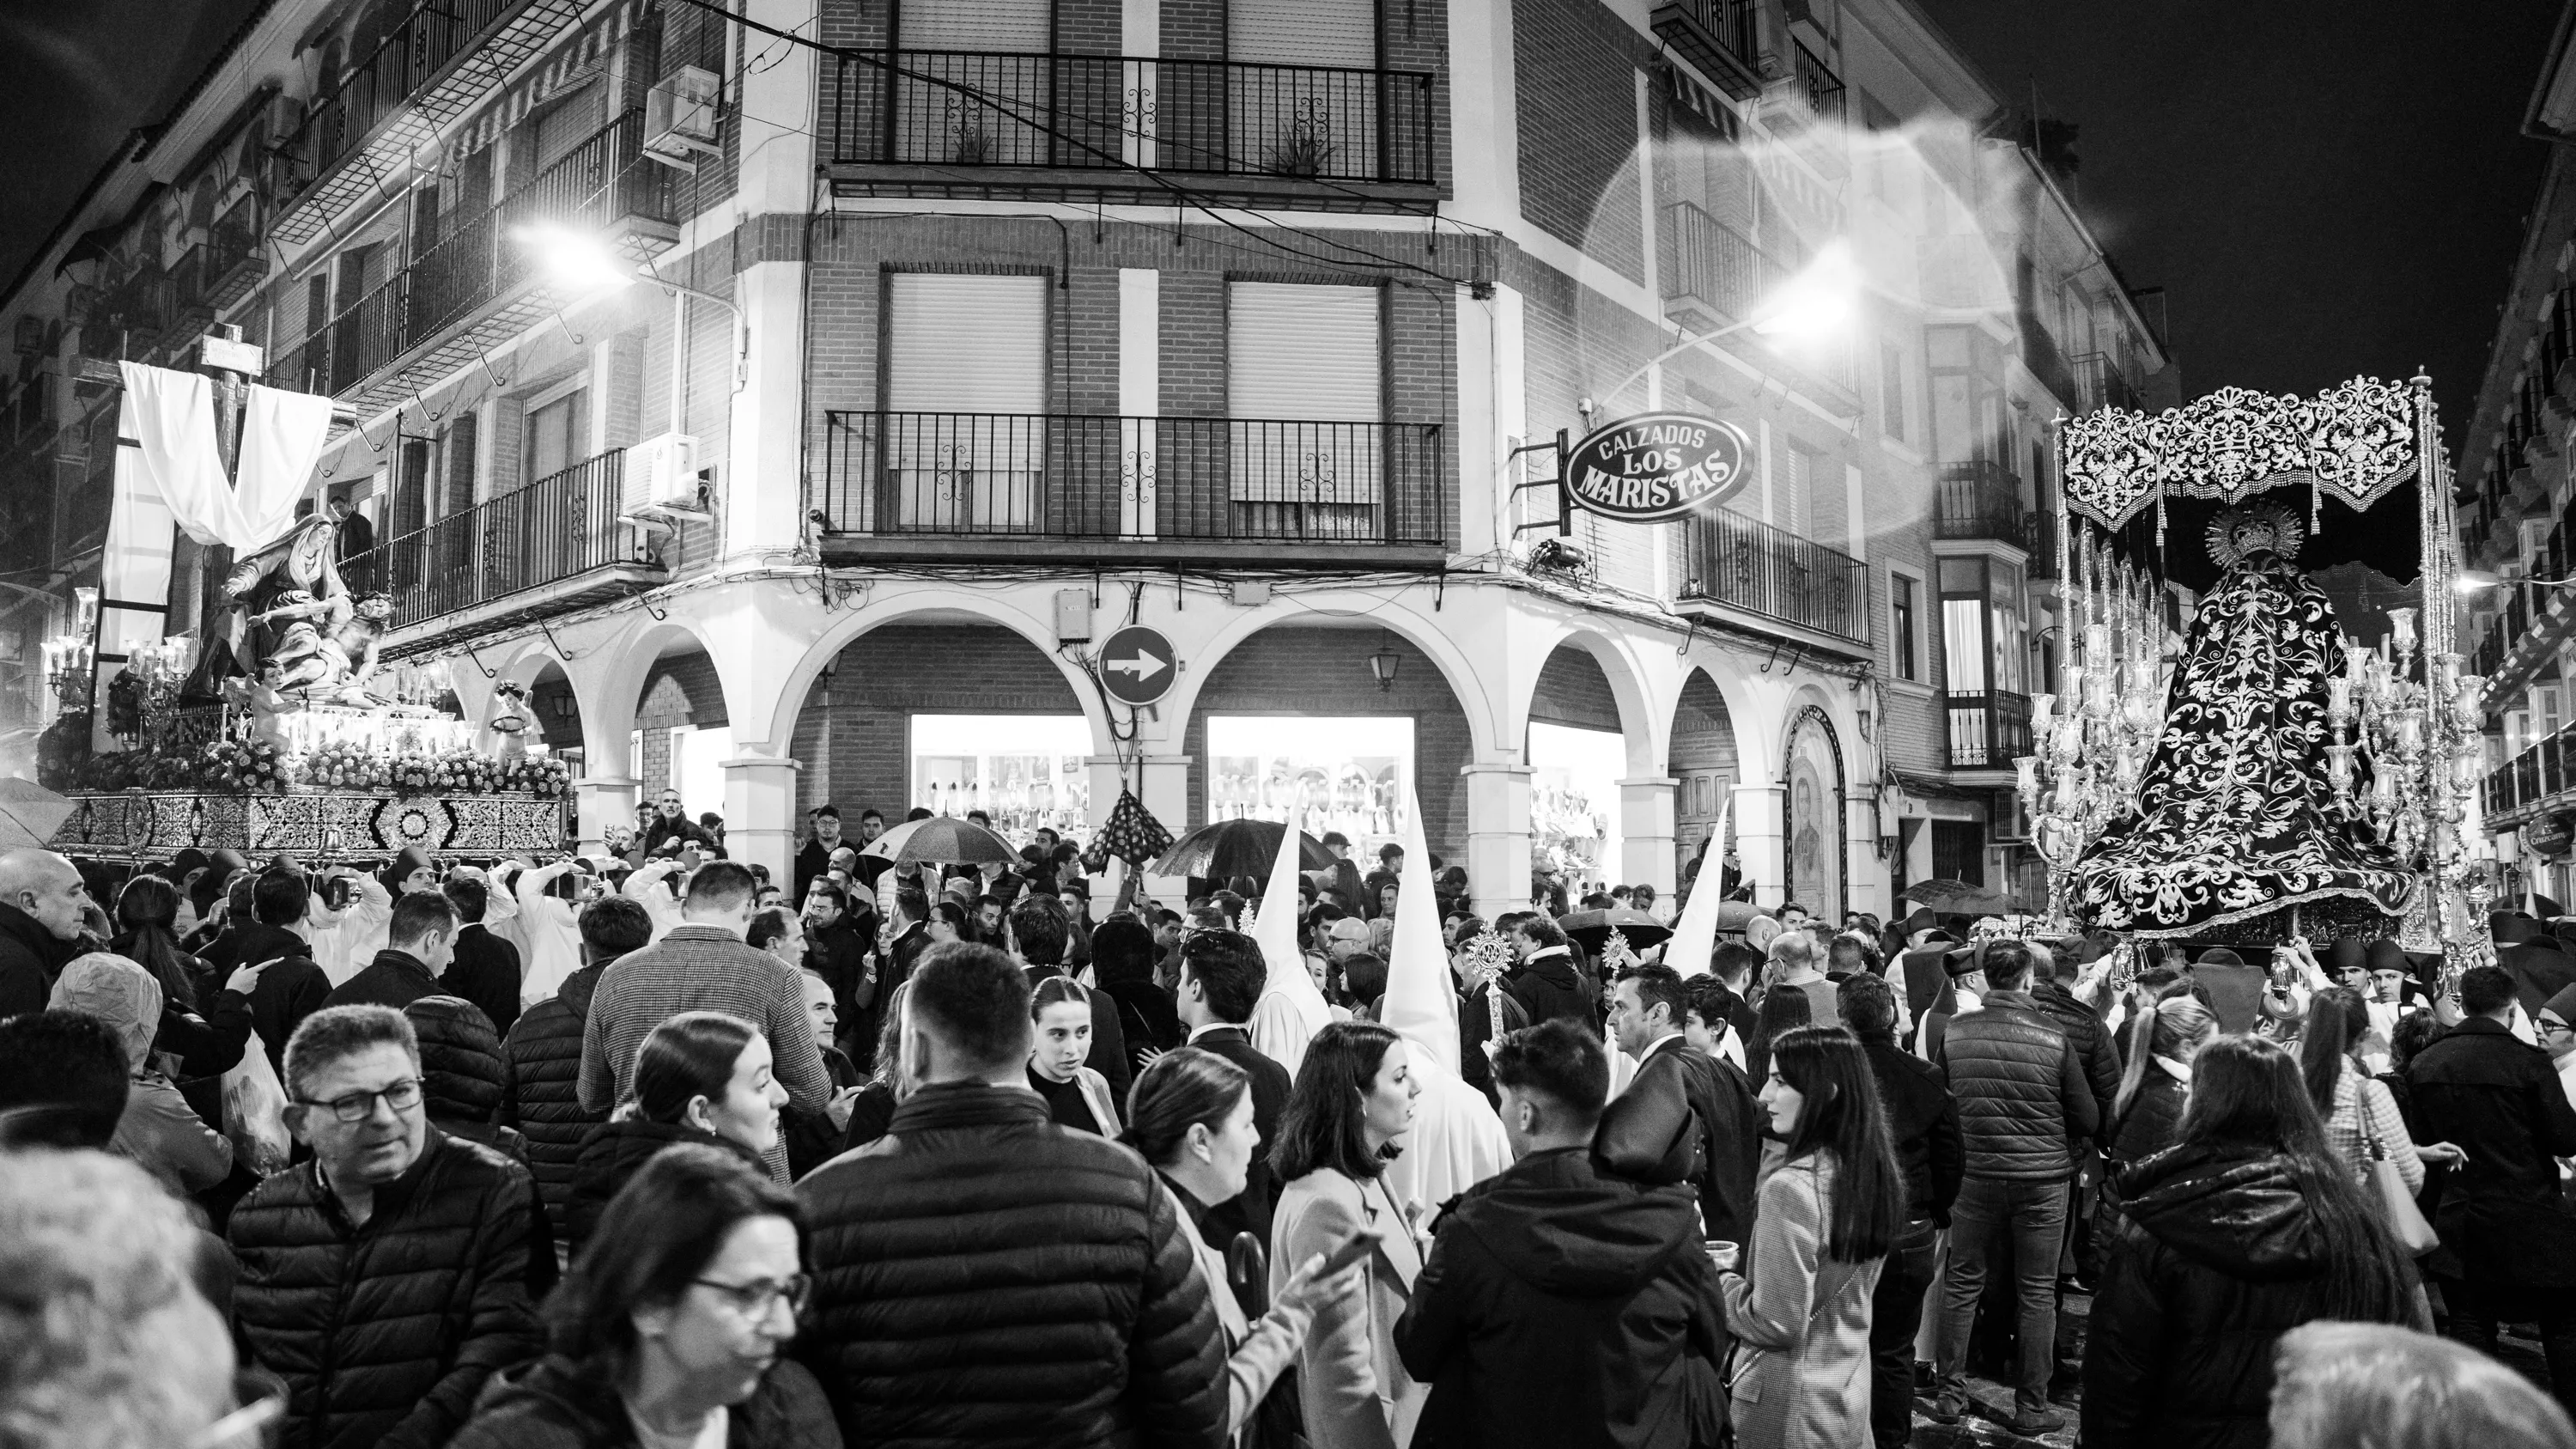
(1303, 370)
(983, 77)
(556, 433)
(1302, 92)
(965, 426)
(569, 122)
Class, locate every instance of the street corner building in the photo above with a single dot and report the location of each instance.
(785, 402)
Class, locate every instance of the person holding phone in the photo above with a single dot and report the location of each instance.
(1352, 1099)
(1191, 1116)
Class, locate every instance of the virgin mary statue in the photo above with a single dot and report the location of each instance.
(2235, 819)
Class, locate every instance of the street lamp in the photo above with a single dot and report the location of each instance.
(582, 263)
(2478, 581)
(1817, 299)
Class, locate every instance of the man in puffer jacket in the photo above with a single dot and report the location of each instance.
(462, 1079)
(386, 1279)
(2022, 1097)
(1090, 1325)
(542, 1057)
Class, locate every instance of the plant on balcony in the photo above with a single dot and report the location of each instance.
(1305, 148)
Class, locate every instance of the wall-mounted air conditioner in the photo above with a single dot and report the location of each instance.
(680, 117)
(663, 485)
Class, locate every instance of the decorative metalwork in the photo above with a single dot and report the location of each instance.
(2355, 442)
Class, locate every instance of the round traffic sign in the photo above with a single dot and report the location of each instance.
(1138, 665)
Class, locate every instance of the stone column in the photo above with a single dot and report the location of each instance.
(1761, 841)
(1498, 837)
(760, 812)
(1165, 791)
(1865, 876)
(599, 800)
(1646, 830)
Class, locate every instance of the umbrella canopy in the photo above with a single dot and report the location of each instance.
(942, 840)
(29, 813)
(1593, 928)
(1224, 849)
(1958, 897)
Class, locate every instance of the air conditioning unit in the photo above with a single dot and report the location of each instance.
(663, 485)
(680, 117)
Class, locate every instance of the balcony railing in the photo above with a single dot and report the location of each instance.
(980, 108)
(1718, 37)
(1818, 85)
(477, 261)
(559, 527)
(379, 83)
(1040, 476)
(2039, 540)
(1979, 500)
(1747, 564)
(131, 314)
(1988, 731)
(2099, 383)
(235, 261)
(1714, 265)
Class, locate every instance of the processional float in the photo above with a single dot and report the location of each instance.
(2273, 776)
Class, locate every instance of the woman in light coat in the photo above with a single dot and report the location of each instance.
(1190, 1115)
(1800, 1309)
(1352, 1099)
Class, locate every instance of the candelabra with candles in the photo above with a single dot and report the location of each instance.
(68, 659)
(2420, 734)
(2091, 741)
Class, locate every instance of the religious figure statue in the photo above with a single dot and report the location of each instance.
(509, 718)
(2234, 818)
(237, 645)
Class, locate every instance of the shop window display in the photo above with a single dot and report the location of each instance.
(1350, 774)
(1026, 771)
(1574, 803)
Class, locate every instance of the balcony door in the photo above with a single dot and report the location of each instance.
(1302, 90)
(1304, 365)
(531, 533)
(979, 84)
(964, 441)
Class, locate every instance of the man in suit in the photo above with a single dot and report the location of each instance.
(1221, 976)
(1687, 1117)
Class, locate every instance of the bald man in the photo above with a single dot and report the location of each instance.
(43, 909)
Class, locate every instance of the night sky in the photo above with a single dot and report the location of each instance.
(2322, 189)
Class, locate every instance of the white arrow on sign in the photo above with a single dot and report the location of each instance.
(1141, 668)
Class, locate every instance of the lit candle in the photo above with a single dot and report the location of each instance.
(2339, 699)
(2401, 630)
(2097, 644)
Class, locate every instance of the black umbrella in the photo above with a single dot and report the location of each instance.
(1958, 898)
(1593, 928)
(1225, 849)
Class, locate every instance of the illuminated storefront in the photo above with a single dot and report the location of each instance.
(1350, 774)
(1024, 770)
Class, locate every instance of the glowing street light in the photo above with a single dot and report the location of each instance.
(1818, 300)
(583, 264)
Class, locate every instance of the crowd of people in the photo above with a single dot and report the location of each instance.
(646, 1148)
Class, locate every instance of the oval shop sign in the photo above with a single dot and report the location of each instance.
(1658, 466)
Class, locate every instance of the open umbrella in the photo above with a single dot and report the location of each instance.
(1593, 928)
(1958, 898)
(942, 840)
(30, 813)
(1224, 849)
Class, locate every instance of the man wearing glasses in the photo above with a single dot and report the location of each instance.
(385, 1279)
(2557, 1026)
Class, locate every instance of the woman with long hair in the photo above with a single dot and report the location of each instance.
(872, 1110)
(1780, 1013)
(2247, 1227)
(1799, 1303)
(2362, 1120)
(1352, 1099)
(208, 1041)
(1076, 1095)
(672, 1327)
(2146, 1116)
(1190, 1116)
(702, 1076)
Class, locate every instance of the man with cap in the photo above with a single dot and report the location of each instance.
(1342, 879)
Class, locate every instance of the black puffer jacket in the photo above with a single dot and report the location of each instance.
(1563, 1306)
(1090, 1324)
(2220, 1257)
(2021, 1092)
(1549, 988)
(461, 1073)
(542, 1059)
(616, 1151)
(557, 1404)
(385, 1333)
(2095, 1047)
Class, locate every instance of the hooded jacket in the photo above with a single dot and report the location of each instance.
(2220, 1257)
(1547, 987)
(1562, 1307)
(556, 1403)
(542, 1099)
